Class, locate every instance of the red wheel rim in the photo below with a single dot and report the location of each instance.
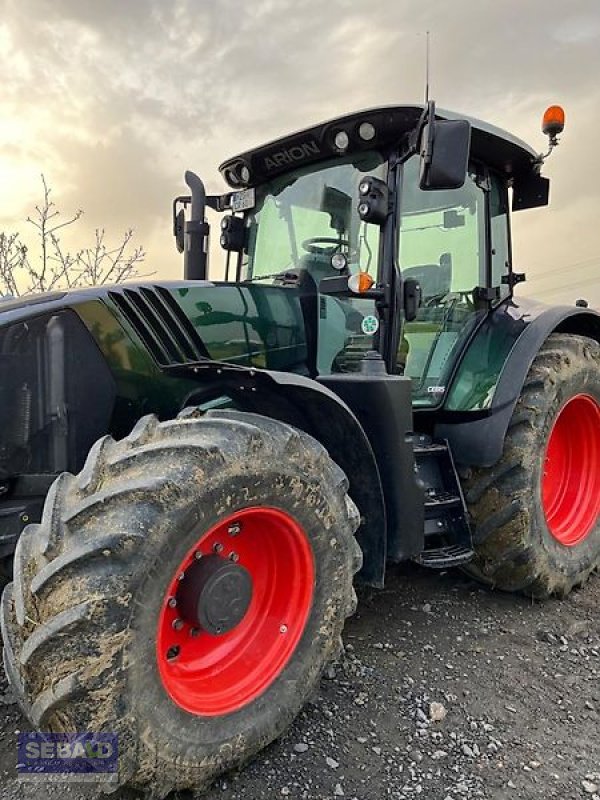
(571, 480)
(212, 675)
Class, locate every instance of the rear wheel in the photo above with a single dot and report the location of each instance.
(537, 511)
(184, 591)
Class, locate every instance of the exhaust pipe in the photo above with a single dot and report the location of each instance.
(195, 256)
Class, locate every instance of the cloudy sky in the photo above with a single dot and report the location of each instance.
(113, 100)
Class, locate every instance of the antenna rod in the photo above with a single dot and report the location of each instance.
(426, 67)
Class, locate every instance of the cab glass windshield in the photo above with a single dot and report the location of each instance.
(302, 218)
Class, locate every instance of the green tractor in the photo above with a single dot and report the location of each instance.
(194, 473)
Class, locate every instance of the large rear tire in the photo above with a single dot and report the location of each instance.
(536, 513)
(185, 591)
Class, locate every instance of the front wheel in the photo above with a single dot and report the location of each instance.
(536, 513)
(184, 591)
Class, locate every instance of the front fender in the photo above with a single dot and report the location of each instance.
(318, 411)
(477, 438)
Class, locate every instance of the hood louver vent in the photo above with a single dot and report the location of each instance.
(160, 323)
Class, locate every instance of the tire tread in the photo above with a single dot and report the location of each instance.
(498, 497)
(64, 655)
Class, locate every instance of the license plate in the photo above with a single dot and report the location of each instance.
(242, 201)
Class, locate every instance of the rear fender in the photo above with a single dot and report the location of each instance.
(480, 442)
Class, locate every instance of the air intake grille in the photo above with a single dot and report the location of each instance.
(160, 323)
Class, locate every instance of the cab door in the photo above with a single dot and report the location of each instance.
(443, 243)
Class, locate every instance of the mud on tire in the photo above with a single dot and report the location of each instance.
(516, 549)
(79, 621)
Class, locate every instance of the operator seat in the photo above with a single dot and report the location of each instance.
(435, 279)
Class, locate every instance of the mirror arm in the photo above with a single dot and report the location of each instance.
(429, 118)
(338, 286)
(414, 138)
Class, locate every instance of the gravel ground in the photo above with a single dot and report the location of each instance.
(446, 690)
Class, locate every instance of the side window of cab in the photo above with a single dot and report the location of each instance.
(500, 233)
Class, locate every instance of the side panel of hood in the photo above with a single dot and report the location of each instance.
(250, 325)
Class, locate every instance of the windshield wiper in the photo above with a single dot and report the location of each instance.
(281, 274)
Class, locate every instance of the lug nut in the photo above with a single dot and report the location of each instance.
(172, 602)
(283, 629)
(234, 557)
(197, 555)
(194, 632)
(218, 547)
(177, 624)
(173, 652)
(234, 529)
(181, 576)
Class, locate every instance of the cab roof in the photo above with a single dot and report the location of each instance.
(497, 148)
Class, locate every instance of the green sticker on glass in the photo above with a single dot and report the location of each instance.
(370, 324)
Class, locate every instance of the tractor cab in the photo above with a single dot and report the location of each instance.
(390, 225)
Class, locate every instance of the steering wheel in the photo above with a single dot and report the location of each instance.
(312, 245)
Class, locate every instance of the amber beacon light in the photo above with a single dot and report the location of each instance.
(553, 121)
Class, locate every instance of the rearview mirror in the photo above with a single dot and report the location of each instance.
(444, 151)
(339, 207)
(179, 230)
(412, 299)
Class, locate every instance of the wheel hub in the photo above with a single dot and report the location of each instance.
(215, 594)
(235, 610)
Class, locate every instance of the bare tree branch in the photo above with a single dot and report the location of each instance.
(13, 258)
(54, 267)
(100, 265)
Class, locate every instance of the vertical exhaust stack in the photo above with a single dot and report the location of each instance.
(195, 255)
